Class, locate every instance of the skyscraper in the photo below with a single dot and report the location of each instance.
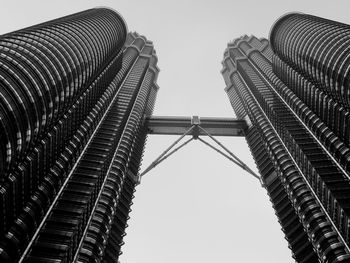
(294, 95)
(74, 92)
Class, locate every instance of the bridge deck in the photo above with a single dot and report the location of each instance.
(176, 125)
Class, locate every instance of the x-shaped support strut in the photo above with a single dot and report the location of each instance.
(196, 131)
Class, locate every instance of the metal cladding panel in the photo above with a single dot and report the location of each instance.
(44, 69)
(289, 220)
(267, 166)
(318, 48)
(291, 146)
(51, 77)
(125, 166)
(67, 136)
(312, 59)
(76, 202)
(86, 220)
(324, 117)
(81, 88)
(53, 178)
(331, 148)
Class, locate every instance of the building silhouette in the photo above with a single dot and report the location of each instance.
(294, 95)
(73, 93)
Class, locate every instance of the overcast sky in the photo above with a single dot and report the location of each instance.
(196, 206)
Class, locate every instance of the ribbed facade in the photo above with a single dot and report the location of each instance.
(74, 93)
(319, 49)
(302, 169)
(317, 57)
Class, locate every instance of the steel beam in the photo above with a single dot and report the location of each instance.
(176, 125)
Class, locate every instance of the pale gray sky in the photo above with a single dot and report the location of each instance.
(196, 206)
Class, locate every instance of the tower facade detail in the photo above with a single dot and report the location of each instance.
(295, 99)
(74, 96)
(74, 93)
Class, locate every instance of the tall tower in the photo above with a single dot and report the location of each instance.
(74, 93)
(295, 104)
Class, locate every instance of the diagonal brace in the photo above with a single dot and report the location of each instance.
(230, 158)
(237, 161)
(166, 153)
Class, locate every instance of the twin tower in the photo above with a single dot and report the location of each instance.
(74, 94)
